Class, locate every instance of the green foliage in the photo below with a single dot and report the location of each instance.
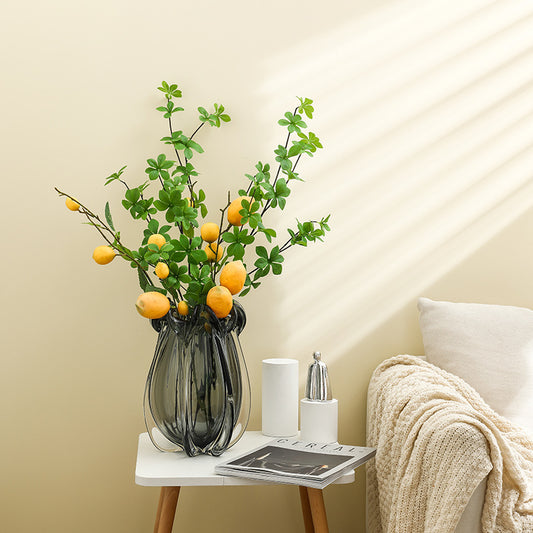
(108, 216)
(267, 261)
(171, 192)
(159, 168)
(306, 107)
(293, 122)
(237, 239)
(216, 118)
(115, 176)
(309, 232)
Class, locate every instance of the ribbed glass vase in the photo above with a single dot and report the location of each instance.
(197, 394)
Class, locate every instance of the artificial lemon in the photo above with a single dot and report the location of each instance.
(233, 276)
(157, 239)
(214, 252)
(209, 232)
(183, 308)
(104, 254)
(152, 304)
(220, 301)
(234, 216)
(71, 204)
(161, 270)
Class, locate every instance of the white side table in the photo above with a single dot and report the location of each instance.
(171, 471)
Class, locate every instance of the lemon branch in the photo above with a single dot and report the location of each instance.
(193, 274)
(189, 183)
(286, 144)
(267, 205)
(214, 269)
(115, 243)
(196, 130)
(285, 247)
(171, 133)
(289, 243)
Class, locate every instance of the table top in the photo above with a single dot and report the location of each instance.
(161, 469)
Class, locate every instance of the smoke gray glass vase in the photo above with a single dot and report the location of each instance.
(197, 394)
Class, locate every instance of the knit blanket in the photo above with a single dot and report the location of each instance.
(436, 440)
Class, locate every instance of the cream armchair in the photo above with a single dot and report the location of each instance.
(491, 349)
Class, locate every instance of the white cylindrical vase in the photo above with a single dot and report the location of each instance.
(280, 397)
(319, 420)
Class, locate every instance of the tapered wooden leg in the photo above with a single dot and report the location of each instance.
(318, 510)
(168, 499)
(306, 510)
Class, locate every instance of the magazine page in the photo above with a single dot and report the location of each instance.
(290, 460)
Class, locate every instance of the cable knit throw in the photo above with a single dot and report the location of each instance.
(436, 440)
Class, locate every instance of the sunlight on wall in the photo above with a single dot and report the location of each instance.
(434, 156)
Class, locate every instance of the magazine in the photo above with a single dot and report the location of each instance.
(297, 462)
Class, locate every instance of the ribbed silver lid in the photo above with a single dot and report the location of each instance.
(317, 387)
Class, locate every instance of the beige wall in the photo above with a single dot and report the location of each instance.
(425, 110)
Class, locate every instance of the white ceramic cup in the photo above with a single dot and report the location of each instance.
(280, 397)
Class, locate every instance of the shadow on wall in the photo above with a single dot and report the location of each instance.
(433, 158)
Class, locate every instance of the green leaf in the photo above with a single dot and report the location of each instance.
(152, 257)
(170, 91)
(261, 263)
(133, 195)
(229, 237)
(236, 250)
(195, 146)
(115, 176)
(153, 226)
(143, 281)
(197, 256)
(167, 247)
(276, 269)
(108, 216)
(261, 251)
(306, 107)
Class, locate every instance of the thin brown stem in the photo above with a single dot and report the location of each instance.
(171, 133)
(214, 269)
(197, 130)
(268, 203)
(116, 244)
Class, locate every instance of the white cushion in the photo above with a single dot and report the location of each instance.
(489, 346)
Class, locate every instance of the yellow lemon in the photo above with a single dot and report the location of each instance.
(209, 232)
(214, 252)
(183, 308)
(104, 254)
(71, 204)
(234, 217)
(152, 305)
(161, 270)
(233, 276)
(220, 301)
(157, 239)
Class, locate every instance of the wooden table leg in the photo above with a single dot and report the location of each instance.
(318, 511)
(306, 510)
(168, 499)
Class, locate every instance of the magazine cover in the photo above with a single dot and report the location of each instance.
(297, 462)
